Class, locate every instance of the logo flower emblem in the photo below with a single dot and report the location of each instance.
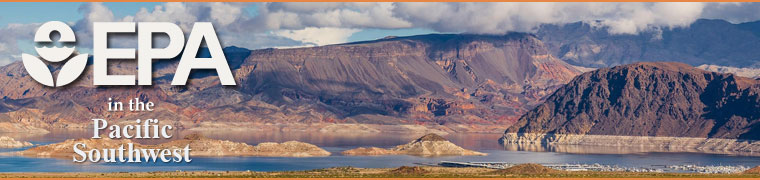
(70, 70)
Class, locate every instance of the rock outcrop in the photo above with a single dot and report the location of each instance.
(670, 106)
(428, 145)
(288, 149)
(754, 170)
(199, 145)
(202, 146)
(650, 99)
(8, 142)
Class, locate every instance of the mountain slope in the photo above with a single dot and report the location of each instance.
(401, 75)
(447, 81)
(650, 99)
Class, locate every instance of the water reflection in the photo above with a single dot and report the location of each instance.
(24, 164)
(336, 143)
(633, 149)
(344, 140)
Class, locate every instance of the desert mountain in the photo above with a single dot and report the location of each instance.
(447, 81)
(716, 42)
(650, 99)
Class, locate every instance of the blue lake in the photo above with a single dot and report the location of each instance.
(336, 143)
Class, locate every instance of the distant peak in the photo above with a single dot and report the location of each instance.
(674, 66)
(389, 37)
(449, 38)
(716, 21)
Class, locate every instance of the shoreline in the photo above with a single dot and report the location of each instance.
(609, 144)
(567, 148)
(399, 172)
(328, 128)
(202, 146)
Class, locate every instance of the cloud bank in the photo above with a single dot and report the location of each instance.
(483, 18)
(285, 24)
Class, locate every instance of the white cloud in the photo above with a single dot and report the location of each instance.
(170, 12)
(288, 15)
(93, 12)
(502, 17)
(635, 18)
(11, 35)
(285, 24)
(735, 12)
(221, 14)
(318, 36)
(307, 23)
(479, 17)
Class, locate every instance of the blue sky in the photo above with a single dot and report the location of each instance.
(18, 40)
(18, 12)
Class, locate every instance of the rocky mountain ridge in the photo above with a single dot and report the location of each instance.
(650, 99)
(450, 82)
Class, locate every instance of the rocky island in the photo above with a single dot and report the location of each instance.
(66, 148)
(428, 145)
(8, 142)
(200, 145)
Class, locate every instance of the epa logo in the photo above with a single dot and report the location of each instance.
(144, 54)
(38, 69)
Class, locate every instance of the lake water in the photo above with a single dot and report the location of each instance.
(336, 143)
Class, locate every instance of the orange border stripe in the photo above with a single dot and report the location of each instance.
(372, 178)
